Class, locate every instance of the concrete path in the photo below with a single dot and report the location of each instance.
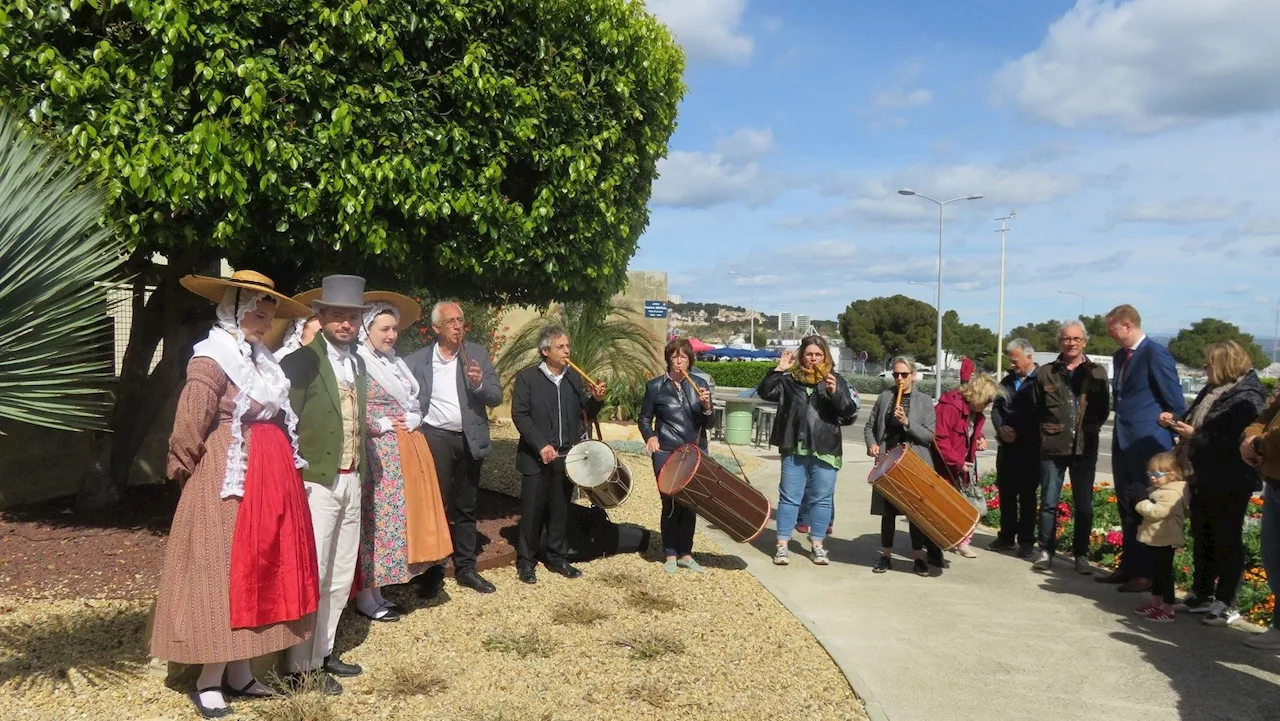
(991, 639)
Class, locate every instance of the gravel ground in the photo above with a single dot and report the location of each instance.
(625, 641)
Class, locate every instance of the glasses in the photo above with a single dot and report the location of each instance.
(1073, 340)
(451, 322)
(901, 375)
(1156, 474)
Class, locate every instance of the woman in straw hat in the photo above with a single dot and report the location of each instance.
(289, 334)
(239, 577)
(404, 528)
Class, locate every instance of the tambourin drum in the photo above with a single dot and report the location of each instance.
(924, 497)
(599, 473)
(693, 478)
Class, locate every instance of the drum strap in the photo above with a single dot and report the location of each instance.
(588, 424)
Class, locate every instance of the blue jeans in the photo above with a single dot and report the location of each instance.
(1271, 535)
(1053, 471)
(678, 520)
(808, 481)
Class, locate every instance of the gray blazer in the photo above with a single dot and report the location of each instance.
(921, 422)
(475, 417)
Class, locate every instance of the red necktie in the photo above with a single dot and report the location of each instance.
(1128, 353)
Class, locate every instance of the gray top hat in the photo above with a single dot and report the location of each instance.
(341, 291)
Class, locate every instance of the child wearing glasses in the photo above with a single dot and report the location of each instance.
(1163, 513)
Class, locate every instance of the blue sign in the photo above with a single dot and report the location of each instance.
(655, 309)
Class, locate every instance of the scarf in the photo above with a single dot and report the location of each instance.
(811, 376)
(1195, 419)
(388, 370)
(254, 370)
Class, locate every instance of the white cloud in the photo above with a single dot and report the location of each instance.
(746, 144)
(1147, 65)
(707, 29)
(902, 98)
(1240, 289)
(1265, 225)
(1178, 212)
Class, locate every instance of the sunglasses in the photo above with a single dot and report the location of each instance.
(1157, 474)
(902, 375)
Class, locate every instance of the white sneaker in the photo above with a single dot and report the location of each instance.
(1269, 640)
(967, 552)
(820, 556)
(782, 556)
(1220, 615)
(1043, 561)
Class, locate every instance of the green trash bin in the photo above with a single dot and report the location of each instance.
(737, 422)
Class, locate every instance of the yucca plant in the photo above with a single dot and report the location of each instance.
(605, 341)
(54, 359)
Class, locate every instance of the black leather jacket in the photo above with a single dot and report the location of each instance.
(813, 418)
(675, 423)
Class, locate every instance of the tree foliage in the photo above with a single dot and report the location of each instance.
(890, 326)
(1044, 335)
(605, 341)
(55, 360)
(1188, 346)
(972, 340)
(495, 149)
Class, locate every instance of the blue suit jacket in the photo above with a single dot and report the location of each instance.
(1145, 389)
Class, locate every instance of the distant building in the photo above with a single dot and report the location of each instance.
(802, 321)
(786, 321)
(673, 299)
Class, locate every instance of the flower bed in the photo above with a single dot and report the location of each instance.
(1255, 599)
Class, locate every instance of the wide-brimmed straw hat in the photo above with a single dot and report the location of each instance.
(214, 289)
(409, 309)
(341, 291)
(274, 338)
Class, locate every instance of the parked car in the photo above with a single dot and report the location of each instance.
(750, 393)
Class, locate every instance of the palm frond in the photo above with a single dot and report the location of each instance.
(605, 341)
(55, 360)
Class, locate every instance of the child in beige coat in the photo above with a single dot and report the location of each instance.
(1163, 514)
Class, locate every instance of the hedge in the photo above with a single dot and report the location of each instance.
(736, 374)
(871, 385)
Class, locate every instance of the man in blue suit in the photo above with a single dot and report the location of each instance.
(1144, 384)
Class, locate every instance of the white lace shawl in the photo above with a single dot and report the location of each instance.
(390, 372)
(256, 373)
(292, 338)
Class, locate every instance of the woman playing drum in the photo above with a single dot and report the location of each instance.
(813, 402)
(901, 416)
(676, 411)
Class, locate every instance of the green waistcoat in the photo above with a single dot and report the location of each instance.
(313, 393)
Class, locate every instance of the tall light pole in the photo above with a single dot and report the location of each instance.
(1081, 296)
(752, 310)
(930, 286)
(1000, 327)
(1275, 334)
(937, 363)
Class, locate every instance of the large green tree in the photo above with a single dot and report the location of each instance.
(497, 150)
(1044, 335)
(890, 326)
(972, 340)
(1188, 346)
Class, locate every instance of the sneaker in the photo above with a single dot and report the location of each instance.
(1147, 607)
(802, 528)
(820, 556)
(1191, 603)
(782, 556)
(920, 567)
(1026, 550)
(1159, 615)
(1221, 615)
(1083, 567)
(1043, 561)
(1269, 640)
(882, 564)
(966, 551)
(1001, 545)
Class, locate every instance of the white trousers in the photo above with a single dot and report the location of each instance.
(335, 516)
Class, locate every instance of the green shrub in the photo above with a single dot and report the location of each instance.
(1270, 383)
(736, 374)
(872, 385)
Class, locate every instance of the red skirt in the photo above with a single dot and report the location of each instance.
(274, 572)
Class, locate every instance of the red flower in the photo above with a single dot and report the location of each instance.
(1115, 538)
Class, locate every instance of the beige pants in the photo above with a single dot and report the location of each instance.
(335, 516)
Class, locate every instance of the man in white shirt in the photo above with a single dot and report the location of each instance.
(458, 384)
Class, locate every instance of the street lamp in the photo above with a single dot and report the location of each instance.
(1275, 334)
(752, 310)
(930, 286)
(937, 364)
(1000, 327)
(1081, 296)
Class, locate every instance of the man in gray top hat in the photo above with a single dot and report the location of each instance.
(328, 393)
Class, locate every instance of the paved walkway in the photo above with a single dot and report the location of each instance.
(991, 639)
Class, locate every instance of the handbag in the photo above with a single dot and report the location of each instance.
(967, 484)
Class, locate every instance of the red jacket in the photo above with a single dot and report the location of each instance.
(953, 419)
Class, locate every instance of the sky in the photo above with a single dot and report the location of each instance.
(1138, 143)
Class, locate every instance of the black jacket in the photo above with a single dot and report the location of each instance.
(1018, 411)
(547, 414)
(1068, 428)
(1215, 446)
(814, 419)
(677, 423)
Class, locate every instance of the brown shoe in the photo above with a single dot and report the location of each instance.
(1136, 585)
(1113, 577)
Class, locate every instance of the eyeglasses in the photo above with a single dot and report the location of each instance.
(902, 375)
(1073, 340)
(451, 321)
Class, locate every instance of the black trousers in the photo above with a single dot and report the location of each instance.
(1017, 480)
(459, 476)
(1162, 571)
(1217, 528)
(919, 541)
(544, 502)
(1129, 471)
(678, 520)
